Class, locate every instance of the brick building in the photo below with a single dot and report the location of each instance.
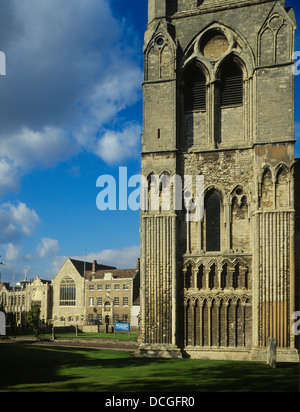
(110, 296)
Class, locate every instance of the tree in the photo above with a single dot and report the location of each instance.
(33, 318)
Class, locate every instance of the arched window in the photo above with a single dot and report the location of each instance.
(107, 306)
(232, 88)
(194, 89)
(213, 227)
(67, 292)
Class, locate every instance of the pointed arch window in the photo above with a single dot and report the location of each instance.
(67, 292)
(194, 89)
(232, 87)
(213, 223)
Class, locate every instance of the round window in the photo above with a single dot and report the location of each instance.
(160, 41)
(214, 44)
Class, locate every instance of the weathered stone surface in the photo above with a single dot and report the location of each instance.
(230, 297)
(271, 353)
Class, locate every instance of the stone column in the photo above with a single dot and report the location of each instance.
(209, 326)
(193, 323)
(174, 280)
(242, 281)
(195, 277)
(201, 323)
(218, 278)
(143, 276)
(226, 304)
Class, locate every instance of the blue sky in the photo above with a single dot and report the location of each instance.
(70, 111)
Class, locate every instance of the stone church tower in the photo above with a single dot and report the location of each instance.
(219, 103)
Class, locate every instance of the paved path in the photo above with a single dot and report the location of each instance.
(127, 346)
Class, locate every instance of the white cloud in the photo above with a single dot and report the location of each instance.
(47, 247)
(56, 264)
(121, 258)
(12, 252)
(116, 146)
(28, 148)
(71, 68)
(8, 176)
(16, 222)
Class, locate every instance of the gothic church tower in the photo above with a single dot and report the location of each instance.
(219, 103)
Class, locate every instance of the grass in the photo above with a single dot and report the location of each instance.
(99, 335)
(26, 367)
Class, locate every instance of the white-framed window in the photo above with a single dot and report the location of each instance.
(125, 287)
(100, 287)
(91, 301)
(116, 301)
(117, 287)
(125, 318)
(91, 287)
(116, 318)
(125, 301)
(99, 301)
(108, 287)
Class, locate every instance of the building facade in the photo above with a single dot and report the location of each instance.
(81, 293)
(17, 300)
(110, 296)
(92, 294)
(219, 103)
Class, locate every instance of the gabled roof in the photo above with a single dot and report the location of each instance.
(80, 266)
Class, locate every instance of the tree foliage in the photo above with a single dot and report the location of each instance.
(33, 318)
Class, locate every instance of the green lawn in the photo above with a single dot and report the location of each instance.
(26, 367)
(99, 335)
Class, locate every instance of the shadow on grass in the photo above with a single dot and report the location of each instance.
(36, 368)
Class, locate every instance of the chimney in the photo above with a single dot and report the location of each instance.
(94, 266)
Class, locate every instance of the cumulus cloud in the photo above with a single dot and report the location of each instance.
(16, 222)
(125, 258)
(9, 176)
(71, 68)
(116, 146)
(28, 148)
(47, 247)
(12, 252)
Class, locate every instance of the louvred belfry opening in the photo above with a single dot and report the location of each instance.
(231, 84)
(194, 89)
